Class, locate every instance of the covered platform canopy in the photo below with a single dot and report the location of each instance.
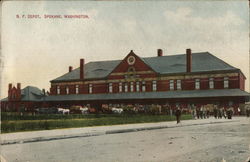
(152, 95)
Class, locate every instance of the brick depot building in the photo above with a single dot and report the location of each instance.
(177, 80)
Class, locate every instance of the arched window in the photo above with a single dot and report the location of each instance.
(131, 72)
(137, 86)
(154, 85)
(90, 88)
(226, 82)
(120, 87)
(77, 89)
(131, 86)
(171, 84)
(143, 86)
(126, 87)
(197, 83)
(131, 69)
(211, 83)
(67, 90)
(58, 89)
(110, 87)
(178, 84)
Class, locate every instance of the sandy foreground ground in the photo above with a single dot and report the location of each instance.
(197, 143)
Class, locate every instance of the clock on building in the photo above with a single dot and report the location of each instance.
(131, 60)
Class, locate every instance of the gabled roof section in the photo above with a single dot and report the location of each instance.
(201, 62)
(139, 64)
(30, 93)
(98, 69)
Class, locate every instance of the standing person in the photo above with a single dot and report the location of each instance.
(220, 113)
(198, 112)
(248, 111)
(171, 111)
(178, 115)
(208, 112)
(239, 111)
(230, 113)
(224, 113)
(202, 112)
(194, 113)
(215, 112)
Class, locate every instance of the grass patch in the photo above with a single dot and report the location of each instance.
(6, 116)
(8, 126)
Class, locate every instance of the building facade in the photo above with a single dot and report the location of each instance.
(185, 79)
(176, 80)
(26, 99)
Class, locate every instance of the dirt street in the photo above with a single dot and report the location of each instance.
(204, 143)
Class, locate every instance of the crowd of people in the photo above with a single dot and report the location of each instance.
(205, 112)
(218, 113)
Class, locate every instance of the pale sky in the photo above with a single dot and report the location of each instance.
(35, 51)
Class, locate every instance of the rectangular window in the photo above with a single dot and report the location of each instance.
(226, 82)
(137, 86)
(171, 84)
(126, 87)
(143, 86)
(110, 87)
(67, 90)
(197, 83)
(120, 87)
(90, 88)
(77, 89)
(131, 86)
(178, 84)
(211, 83)
(58, 89)
(154, 85)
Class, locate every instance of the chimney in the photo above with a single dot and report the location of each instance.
(44, 92)
(81, 68)
(189, 60)
(19, 86)
(10, 86)
(70, 68)
(159, 52)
